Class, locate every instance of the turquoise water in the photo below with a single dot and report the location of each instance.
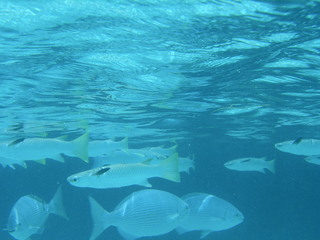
(221, 79)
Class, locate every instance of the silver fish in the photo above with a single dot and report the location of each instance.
(300, 146)
(251, 164)
(24, 149)
(104, 148)
(313, 159)
(143, 213)
(209, 213)
(29, 214)
(119, 175)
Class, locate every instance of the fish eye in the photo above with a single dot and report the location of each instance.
(74, 179)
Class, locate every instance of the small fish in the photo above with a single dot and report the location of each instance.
(313, 159)
(119, 175)
(143, 213)
(29, 214)
(129, 156)
(300, 146)
(36, 149)
(125, 156)
(132, 155)
(251, 164)
(209, 213)
(105, 148)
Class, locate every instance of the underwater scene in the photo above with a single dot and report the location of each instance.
(160, 119)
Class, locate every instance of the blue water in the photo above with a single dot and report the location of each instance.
(222, 79)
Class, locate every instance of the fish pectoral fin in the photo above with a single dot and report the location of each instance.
(205, 233)
(145, 183)
(22, 164)
(12, 166)
(174, 217)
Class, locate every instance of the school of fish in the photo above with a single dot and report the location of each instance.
(143, 213)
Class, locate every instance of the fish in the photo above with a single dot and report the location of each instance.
(251, 164)
(300, 146)
(37, 149)
(29, 214)
(313, 159)
(209, 213)
(120, 175)
(133, 155)
(129, 156)
(102, 148)
(143, 213)
(125, 156)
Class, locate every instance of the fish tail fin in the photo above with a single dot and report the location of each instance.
(174, 147)
(81, 146)
(272, 166)
(56, 204)
(100, 217)
(170, 167)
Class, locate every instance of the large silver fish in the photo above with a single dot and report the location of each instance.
(300, 146)
(209, 213)
(143, 213)
(21, 150)
(29, 214)
(119, 175)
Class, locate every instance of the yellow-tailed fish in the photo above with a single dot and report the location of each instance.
(119, 175)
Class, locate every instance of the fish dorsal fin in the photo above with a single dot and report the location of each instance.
(174, 217)
(102, 170)
(297, 141)
(36, 198)
(17, 141)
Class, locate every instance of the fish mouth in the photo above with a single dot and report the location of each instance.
(278, 145)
